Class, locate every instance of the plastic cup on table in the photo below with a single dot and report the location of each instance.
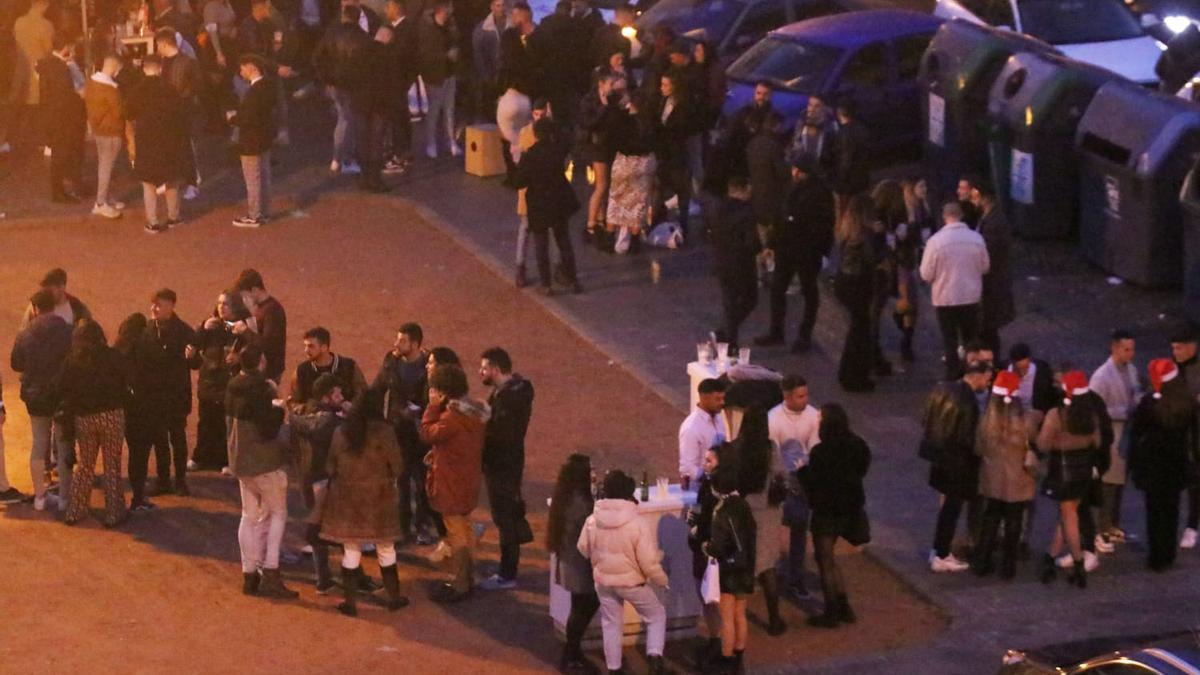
(722, 352)
(703, 355)
(743, 356)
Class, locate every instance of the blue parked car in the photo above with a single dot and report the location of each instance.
(871, 57)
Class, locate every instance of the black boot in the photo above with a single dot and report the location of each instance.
(1079, 578)
(349, 605)
(272, 586)
(770, 586)
(250, 583)
(710, 650)
(657, 667)
(906, 346)
(391, 581)
(845, 613)
(1049, 569)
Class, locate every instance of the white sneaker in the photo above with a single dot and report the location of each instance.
(46, 152)
(191, 192)
(431, 151)
(5, 149)
(948, 564)
(120, 206)
(192, 465)
(225, 471)
(440, 553)
(351, 168)
(1188, 540)
(335, 166)
(1103, 545)
(283, 138)
(105, 211)
(455, 151)
(47, 501)
(1090, 561)
(497, 583)
(1066, 561)
(160, 190)
(307, 550)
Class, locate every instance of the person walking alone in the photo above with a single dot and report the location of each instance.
(255, 121)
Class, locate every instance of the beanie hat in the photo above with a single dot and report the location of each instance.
(1007, 383)
(1075, 383)
(1162, 370)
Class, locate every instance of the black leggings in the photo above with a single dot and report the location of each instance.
(583, 608)
(832, 583)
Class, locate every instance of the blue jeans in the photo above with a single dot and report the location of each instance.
(795, 516)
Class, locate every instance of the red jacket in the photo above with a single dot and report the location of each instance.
(455, 461)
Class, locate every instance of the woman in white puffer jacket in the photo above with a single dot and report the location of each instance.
(625, 558)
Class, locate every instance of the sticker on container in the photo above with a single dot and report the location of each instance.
(937, 120)
(1112, 195)
(1020, 179)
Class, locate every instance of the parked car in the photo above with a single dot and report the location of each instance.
(870, 57)
(1178, 655)
(1101, 32)
(733, 26)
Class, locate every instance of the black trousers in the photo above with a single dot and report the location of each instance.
(66, 163)
(583, 608)
(414, 502)
(995, 512)
(369, 132)
(739, 296)
(508, 512)
(1087, 517)
(787, 267)
(959, 325)
(566, 254)
(947, 523)
(675, 179)
(168, 435)
(210, 451)
(400, 121)
(854, 368)
(1193, 494)
(833, 585)
(1162, 522)
(137, 437)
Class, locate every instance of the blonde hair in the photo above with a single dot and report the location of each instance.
(912, 202)
(1002, 427)
(854, 225)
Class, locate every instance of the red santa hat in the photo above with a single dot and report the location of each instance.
(1162, 370)
(1007, 383)
(1074, 383)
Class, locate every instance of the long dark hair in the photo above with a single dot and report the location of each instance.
(129, 333)
(574, 482)
(1176, 408)
(236, 303)
(1078, 420)
(367, 407)
(87, 343)
(835, 423)
(753, 451)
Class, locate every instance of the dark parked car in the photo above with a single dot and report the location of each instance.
(733, 26)
(870, 57)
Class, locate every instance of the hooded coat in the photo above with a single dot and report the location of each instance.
(363, 501)
(252, 425)
(456, 433)
(622, 547)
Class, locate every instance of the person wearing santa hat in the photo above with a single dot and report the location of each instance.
(1069, 437)
(1006, 473)
(1162, 456)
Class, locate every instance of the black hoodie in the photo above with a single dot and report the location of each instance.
(504, 439)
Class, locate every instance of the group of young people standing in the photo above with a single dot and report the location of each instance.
(1003, 434)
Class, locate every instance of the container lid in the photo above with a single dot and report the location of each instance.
(1136, 127)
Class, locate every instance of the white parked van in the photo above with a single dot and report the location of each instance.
(1101, 32)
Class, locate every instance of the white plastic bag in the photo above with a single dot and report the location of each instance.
(710, 584)
(666, 235)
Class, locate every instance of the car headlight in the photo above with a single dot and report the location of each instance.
(1177, 23)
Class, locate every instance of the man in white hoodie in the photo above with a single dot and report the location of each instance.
(625, 560)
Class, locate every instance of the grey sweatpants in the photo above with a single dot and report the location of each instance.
(150, 200)
(107, 149)
(612, 619)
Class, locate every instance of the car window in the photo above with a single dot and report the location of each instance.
(1065, 22)
(992, 12)
(803, 10)
(867, 68)
(786, 64)
(759, 19)
(908, 55)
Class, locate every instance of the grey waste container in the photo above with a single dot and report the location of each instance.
(956, 74)
(1136, 146)
(1036, 104)
(1189, 200)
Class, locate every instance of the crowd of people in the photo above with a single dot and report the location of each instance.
(1004, 433)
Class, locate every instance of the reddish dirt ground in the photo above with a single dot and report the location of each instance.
(161, 593)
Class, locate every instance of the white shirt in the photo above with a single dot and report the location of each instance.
(954, 263)
(794, 434)
(699, 432)
(1025, 390)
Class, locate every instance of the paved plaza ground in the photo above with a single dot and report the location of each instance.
(609, 371)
